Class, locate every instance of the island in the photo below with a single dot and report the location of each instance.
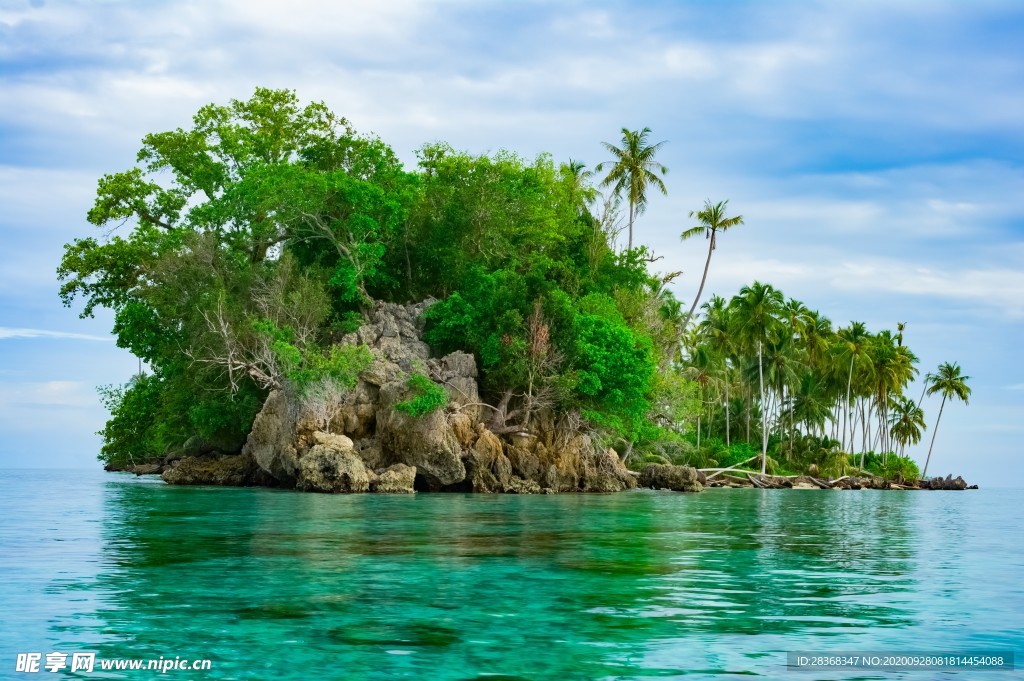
(314, 315)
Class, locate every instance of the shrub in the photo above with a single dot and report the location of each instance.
(429, 397)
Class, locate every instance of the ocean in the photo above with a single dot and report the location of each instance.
(274, 584)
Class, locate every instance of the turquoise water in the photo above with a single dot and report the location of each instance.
(280, 585)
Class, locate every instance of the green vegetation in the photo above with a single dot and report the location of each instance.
(239, 250)
(429, 396)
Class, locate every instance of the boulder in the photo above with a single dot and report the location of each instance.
(146, 469)
(397, 479)
(272, 440)
(517, 485)
(947, 483)
(457, 372)
(605, 472)
(239, 470)
(676, 478)
(333, 440)
(325, 468)
(427, 443)
(487, 467)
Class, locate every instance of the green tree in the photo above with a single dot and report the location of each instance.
(712, 220)
(906, 422)
(633, 170)
(953, 385)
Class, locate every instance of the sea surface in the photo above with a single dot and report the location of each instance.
(272, 584)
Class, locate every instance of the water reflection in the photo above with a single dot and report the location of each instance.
(281, 584)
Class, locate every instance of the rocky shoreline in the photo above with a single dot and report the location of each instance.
(367, 445)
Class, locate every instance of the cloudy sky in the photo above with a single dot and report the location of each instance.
(876, 150)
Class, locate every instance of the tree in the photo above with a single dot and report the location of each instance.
(907, 422)
(757, 307)
(953, 385)
(633, 170)
(712, 220)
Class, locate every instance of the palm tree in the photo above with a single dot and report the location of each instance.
(712, 220)
(634, 170)
(907, 422)
(756, 310)
(948, 381)
(577, 179)
(853, 342)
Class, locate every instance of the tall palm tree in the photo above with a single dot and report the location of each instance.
(633, 170)
(756, 310)
(907, 422)
(853, 343)
(953, 385)
(712, 220)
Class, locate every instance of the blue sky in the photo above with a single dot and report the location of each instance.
(876, 150)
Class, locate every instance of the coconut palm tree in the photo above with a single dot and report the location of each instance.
(633, 170)
(755, 315)
(907, 422)
(712, 220)
(853, 343)
(953, 385)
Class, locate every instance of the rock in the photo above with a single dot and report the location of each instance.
(327, 469)
(339, 442)
(457, 372)
(676, 478)
(397, 479)
(947, 483)
(369, 451)
(517, 485)
(487, 467)
(605, 472)
(146, 469)
(271, 442)
(427, 443)
(462, 426)
(239, 470)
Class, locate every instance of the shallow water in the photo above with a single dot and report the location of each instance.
(276, 584)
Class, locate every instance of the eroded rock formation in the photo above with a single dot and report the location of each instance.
(370, 446)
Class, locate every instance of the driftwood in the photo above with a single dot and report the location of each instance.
(732, 467)
(756, 481)
(820, 483)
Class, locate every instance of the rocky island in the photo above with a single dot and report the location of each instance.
(259, 264)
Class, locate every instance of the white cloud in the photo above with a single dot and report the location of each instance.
(47, 394)
(7, 332)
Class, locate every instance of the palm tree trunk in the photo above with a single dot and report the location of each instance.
(727, 444)
(764, 426)
(935, 432)
(846, 407)
(698, 433)
(629, 247)
(700, 289)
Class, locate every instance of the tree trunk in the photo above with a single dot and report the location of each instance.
(935, 432)
(846, 408)
(629, 246)
(727, 444)
(764, 427)
(698, 434)
(700, 289)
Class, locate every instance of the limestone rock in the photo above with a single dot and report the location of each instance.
(487, 467)
(327, 469)
(427, 442)
(676, 478)
(234, 471)
(339, 442)
(271, 442)
(397, 479)
(605, 472)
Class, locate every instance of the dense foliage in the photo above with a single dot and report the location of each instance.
(240, 249)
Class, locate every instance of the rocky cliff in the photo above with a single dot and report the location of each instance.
(370, 446)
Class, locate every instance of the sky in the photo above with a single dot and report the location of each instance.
(875, 149)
